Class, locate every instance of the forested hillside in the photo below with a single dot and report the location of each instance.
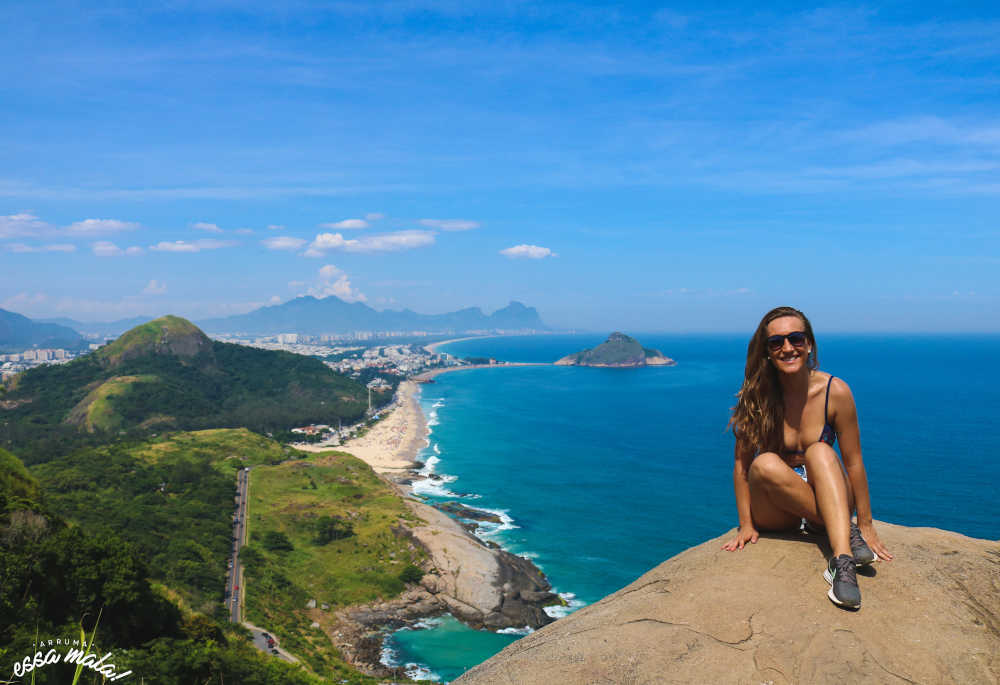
(166, 374)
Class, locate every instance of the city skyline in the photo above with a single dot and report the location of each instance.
(616, 167)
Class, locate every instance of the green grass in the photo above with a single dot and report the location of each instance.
(366, 566)
(228, 448)
(96, 412)
(147, 335)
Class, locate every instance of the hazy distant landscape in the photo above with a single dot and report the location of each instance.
(336, 337)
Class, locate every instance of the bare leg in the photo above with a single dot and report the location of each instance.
(779, 498)
(832, 495)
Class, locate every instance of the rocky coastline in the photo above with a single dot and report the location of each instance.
(476, 581)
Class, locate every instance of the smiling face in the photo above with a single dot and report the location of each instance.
(788, 358)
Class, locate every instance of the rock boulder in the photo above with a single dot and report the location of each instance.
(761, 615)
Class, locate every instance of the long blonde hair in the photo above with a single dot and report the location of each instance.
(759, 414)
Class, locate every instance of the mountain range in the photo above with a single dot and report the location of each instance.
(18, 333)
(309, 315)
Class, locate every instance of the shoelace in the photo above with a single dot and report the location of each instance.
(844, 568)
(856, 539)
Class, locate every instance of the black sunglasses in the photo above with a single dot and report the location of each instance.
(797, 338)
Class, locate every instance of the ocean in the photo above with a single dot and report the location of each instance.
(601, 474)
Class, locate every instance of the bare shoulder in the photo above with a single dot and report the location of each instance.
(841, 397)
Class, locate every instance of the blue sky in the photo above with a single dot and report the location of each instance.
(627, 165)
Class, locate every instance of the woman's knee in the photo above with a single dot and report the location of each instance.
(820, 456)
(766, 468)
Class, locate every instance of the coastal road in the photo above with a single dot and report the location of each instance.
(234, 578)
(235, 589)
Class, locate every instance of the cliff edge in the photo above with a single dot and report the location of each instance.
(762, 616)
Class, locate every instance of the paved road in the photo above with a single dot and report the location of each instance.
(235, 592)
(234, 578)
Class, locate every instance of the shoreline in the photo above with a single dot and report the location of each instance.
(428, 375)
(391, 445)
(479, 583)
(432, 347)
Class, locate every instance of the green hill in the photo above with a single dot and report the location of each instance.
(18, 488)
(167, 374)
(619, 350)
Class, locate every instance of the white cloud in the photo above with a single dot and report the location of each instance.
(528, 252)
(155, 287)
(244, 231)
(105, 248)
(450, 224)
(59, 247)
(205, 226)
(374, 216)
(296, 284)
(275, 227)
(333, 281)
(24, 301)
(347, 224)
(22, 224)
(283, 242)
(387, 242)
(196, 246)
(96, 226)
(274, 299)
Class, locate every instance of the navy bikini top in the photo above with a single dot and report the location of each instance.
(829, 434)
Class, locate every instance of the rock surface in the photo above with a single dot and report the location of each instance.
(480, 585)
(762, 616)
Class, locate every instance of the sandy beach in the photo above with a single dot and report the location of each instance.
(391, 445)
(432, 347)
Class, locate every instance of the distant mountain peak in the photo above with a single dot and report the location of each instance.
(328, 315)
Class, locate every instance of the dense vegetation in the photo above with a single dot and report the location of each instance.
(618, 350)
(323, 529)
(125, 522)
(140, 384)
(56, 578)
(170, 497)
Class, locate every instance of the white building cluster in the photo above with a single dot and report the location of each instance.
(17, 362)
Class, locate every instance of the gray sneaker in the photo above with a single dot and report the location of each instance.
(863, 555)
(842, 576)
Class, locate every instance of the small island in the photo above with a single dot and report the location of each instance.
(618, 351)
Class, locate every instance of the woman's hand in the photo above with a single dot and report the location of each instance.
(744, 535)
(871, 537)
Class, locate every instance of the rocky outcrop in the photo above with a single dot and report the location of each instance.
(481, 585)
(618, 351)
(762, 616)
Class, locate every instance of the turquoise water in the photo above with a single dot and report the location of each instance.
(602, 474)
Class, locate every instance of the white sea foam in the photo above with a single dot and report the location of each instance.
(560, 611)
(427, 623)
(437, 403)
(421, 672)
(429, 464)
(388, 656)
(526, 630)
(434, 487)
(488, 529)
(436, 448)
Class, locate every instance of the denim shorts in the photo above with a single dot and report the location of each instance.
(801, 470)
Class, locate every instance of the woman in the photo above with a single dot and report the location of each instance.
(787, 419)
